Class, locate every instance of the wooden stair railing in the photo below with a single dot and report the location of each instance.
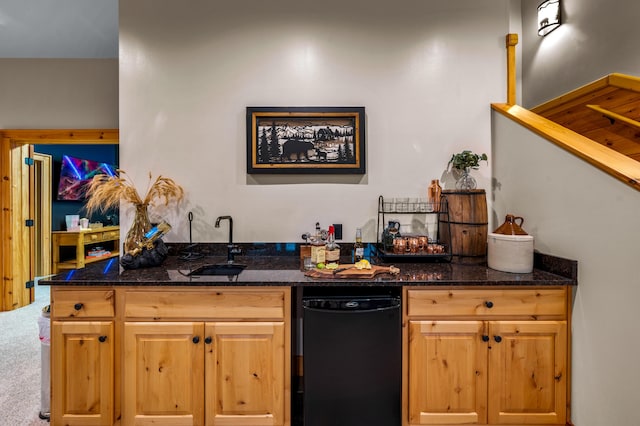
(613, 116)
(617, 165)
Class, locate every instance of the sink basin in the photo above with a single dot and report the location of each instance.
(218, 269)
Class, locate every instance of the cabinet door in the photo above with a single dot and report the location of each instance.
(447, 372)
(82, 373)
(163, 373)
(245, 373)
(527, 365)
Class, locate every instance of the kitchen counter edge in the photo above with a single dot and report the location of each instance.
(284, 271)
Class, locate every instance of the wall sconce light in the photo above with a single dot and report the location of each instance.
(548, 16)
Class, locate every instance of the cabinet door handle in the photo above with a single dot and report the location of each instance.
(196, 339)
(498, 339)
(208, 340)
(485, 338)
(102, 339)
(488, 304)
(78, 306)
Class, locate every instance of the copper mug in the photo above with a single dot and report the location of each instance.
(412, 244)
(423, 240)
(399, 245)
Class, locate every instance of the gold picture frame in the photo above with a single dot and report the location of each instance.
(306, 140)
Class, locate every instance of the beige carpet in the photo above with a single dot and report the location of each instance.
(20, 359)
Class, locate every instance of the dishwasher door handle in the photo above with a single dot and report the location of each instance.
(352, 306)
(351, 311)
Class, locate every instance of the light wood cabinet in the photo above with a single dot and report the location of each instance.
(80, 240)
(230, 368)
(245, 376)
(175, 356)
(193, 373)
(82, 360)
(497, 357)
(163, 373)
(448, 373)
(527, 372)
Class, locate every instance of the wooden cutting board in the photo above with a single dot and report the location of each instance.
(349, 271)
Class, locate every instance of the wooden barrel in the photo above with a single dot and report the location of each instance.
(467, 222)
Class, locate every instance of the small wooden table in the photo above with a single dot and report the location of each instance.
(80, 240)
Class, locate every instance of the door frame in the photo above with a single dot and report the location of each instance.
(42, 199)
(17, 204)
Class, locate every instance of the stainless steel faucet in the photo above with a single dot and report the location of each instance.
(231, 248)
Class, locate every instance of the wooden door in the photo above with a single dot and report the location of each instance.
(17, 241)
(245, 374)
(527, 372)
(82, 373)
(16, 251)
(163, 375)
(447, 372)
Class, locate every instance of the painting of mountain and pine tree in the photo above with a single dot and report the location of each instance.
(306, 140)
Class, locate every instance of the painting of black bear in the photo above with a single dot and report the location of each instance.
(305, 140)
(295, 147)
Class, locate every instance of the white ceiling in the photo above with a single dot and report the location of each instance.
(58, 28)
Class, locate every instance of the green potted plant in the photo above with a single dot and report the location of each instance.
(462, 163)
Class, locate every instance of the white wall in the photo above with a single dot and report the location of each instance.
(596, 38)
(576, 211)
(426, 72)
(58, 93)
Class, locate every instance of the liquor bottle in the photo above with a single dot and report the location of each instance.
(358, 247)
(433, 194)
(318, 251)
(150, 237)
(332, 249)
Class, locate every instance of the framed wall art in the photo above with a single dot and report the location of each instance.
(306, 140)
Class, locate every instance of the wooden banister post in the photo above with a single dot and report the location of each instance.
(512, 41)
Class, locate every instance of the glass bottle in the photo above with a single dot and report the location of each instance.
(332, 249)
(150, 237)
(358, 247)
(318, 251)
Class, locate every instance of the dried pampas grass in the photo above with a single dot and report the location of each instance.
(105, 192)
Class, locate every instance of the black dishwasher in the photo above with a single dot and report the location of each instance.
(352, 356)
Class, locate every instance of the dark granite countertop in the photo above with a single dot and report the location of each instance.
(282, 268)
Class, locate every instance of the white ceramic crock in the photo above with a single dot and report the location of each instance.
(510, 253)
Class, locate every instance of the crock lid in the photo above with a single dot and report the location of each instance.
(511, 226)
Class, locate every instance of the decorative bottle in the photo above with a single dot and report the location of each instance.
(433, 194)
(150, 237)
(332, 249)
(358, 247)
(318, 251)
